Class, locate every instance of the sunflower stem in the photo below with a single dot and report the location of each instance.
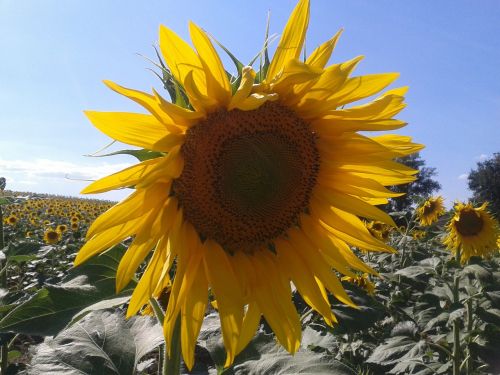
(470, 325)
(172, 362)
(456, 322)
(4, 350)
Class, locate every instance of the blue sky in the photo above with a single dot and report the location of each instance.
(55, 54)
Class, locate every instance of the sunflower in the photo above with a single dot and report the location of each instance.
(61, 228)
(362, 282)
(430, 210)
(51, 236)
(11, 220)
(472, 231)
(379, 230)
(262, 182)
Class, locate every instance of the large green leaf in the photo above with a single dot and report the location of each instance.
(264, 355)
(103, 342)
(54, 306)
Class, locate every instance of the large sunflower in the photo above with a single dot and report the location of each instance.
(262, 183)
(430, 210)
(473, 231)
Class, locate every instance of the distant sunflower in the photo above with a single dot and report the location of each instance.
(11, 220)
(363, 282)
(473, 230)
(379, 230)
(262, 183)
(61, 228)
(51, 236)
(430, 210)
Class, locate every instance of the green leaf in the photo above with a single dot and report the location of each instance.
(141, 155)
(489, 316)
(103, 342)
(418, 273)
(13, 354)
(54, 306)
(264, 355)
(477, 271)
(23, 247)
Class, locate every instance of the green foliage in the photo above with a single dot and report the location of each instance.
(103, 342)
(53, 306)
(423, 187)
(484, 181)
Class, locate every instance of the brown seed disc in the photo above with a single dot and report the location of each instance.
(470, 223)
(428, 209)
(247, 175)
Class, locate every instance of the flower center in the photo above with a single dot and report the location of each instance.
(247, 175)
(429, 208)
(52, 235)
(469, 223)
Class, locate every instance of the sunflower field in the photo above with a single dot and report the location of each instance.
(254, 239)
(65, 320)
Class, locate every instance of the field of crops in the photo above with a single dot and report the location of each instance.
(59, 319)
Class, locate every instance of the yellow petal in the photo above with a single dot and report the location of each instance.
(273, 296)
(127, 177)
(192, 314)
(137, 204)
(292, 39)
(218, 85)
(357, 88)
(245, 87)
(149, 279)
(310, 97)
(351, 204)
(110, 237)
(149, 235)
(181, 116)
(334, 250)
(250, 324)
(303, 278)
(181, 59)
(225, 286)
(320, 56)
(293, 73)
(346, 226)
(200, 101)
(135, 129)
(149, 102)
(304, 248)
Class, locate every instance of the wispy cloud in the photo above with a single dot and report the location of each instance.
(41, 171)
(482, 157)
(463, 176)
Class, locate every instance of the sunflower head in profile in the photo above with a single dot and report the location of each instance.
(51, 236)
(379, 230)
(431, 210)
(362, 281)
(261, 181)
(473, 231)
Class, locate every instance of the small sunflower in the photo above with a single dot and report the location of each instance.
(430, 210)
(74, 226)
(363, 282)
(418, 234)
(262, 182)
(472, 230)
(61, 228)
(51, 236)
(11, 220)
(379, 230)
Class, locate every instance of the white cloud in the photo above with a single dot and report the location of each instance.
(482, 157)
(45, 168)
(463, 176)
